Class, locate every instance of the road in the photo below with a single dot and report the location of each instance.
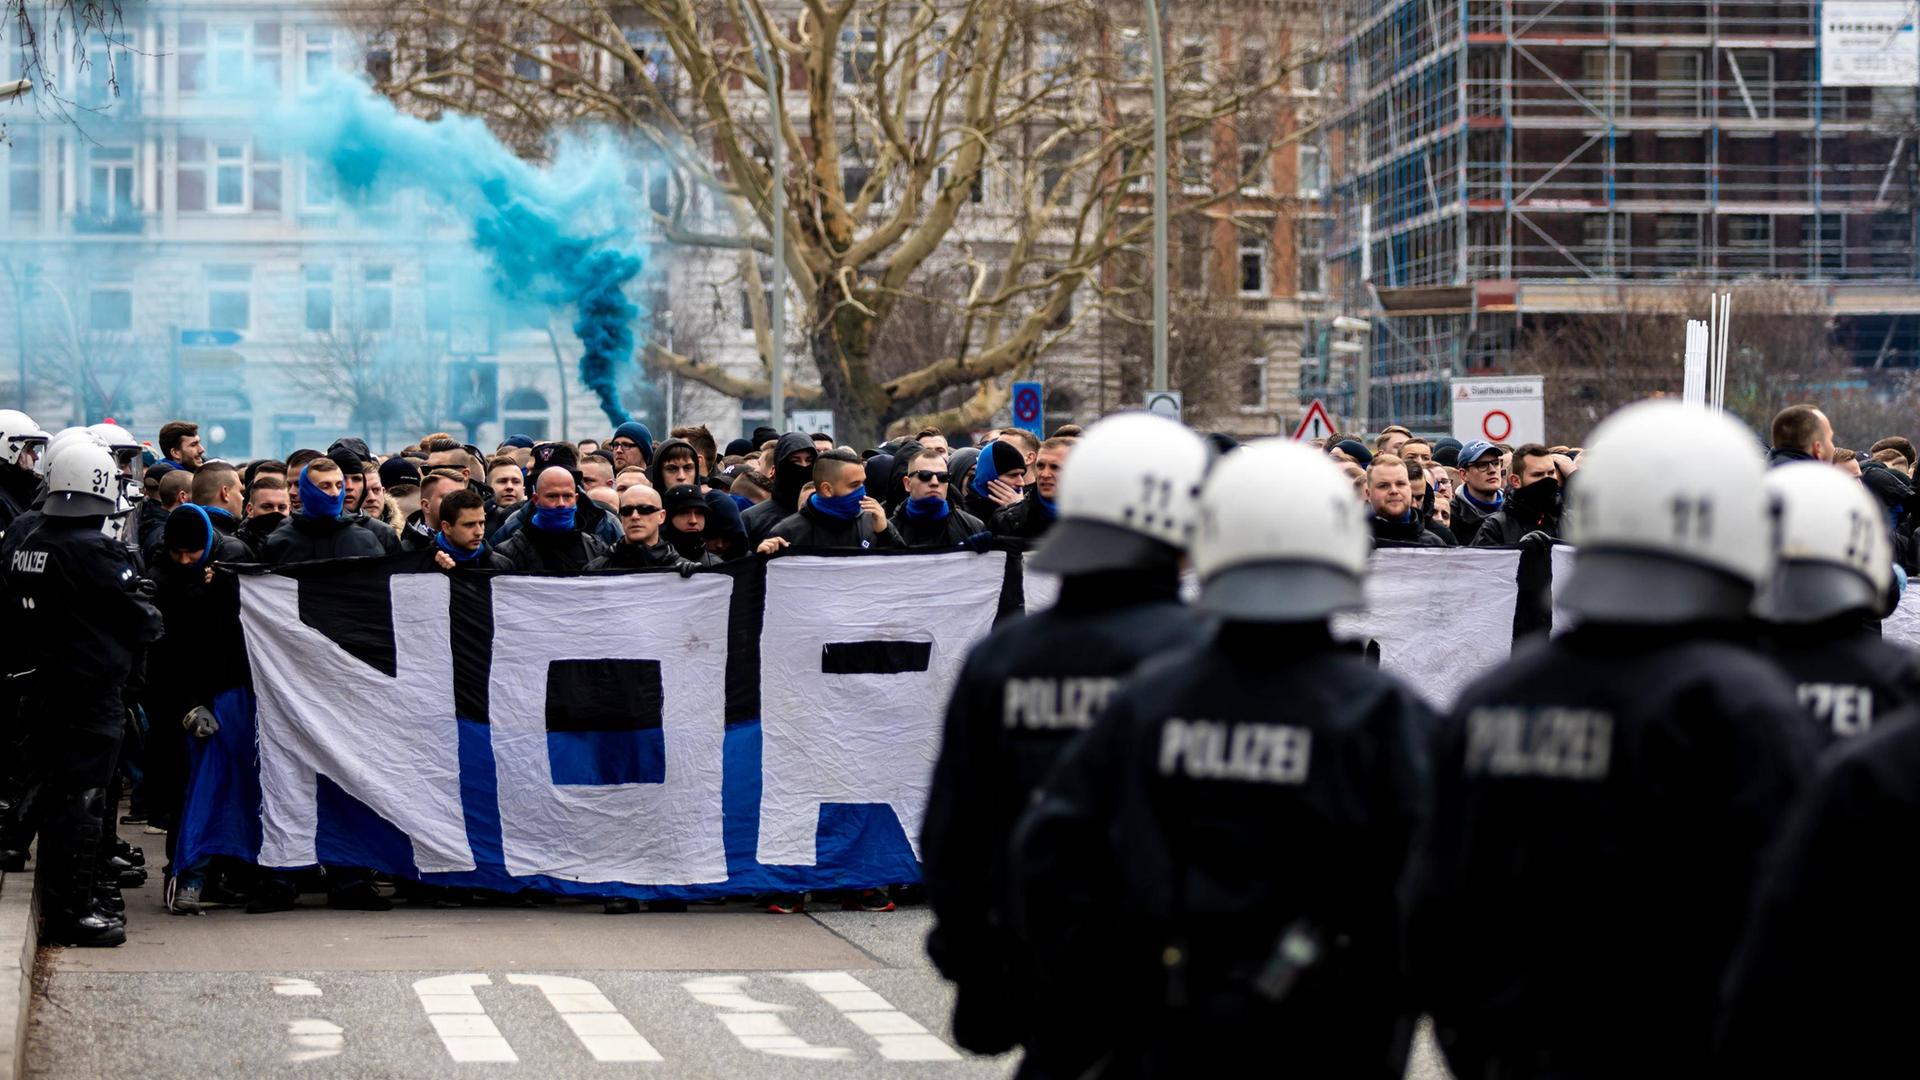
(553, 992)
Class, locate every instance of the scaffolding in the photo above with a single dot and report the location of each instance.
(1512, 149)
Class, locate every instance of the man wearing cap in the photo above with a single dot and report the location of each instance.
(1479, 496)
(632, 446)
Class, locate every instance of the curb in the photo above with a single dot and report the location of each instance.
(18, 946)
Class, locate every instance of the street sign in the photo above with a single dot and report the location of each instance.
(1029, 408)
(1500, 409)
(1316, 424)
(811, 420)
(1164, 403)
(209, 339)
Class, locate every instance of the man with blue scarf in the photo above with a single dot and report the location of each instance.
(839, 513)
(1032, 516)
(927, 519)
(553, 538)
(1480, 494)
(322, 529)
(460, 541)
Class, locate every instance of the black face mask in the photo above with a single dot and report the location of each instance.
(1538, 499)
(266, 522)
(788, 479)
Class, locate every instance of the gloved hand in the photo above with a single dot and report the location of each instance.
(1537, 540)
(200, 722)
(686, 566)
(144, 588)
(979, 541)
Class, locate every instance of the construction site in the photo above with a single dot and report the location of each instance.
(1501, 164)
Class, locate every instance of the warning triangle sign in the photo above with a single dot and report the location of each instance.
(1316, 424)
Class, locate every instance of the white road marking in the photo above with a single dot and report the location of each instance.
(460, 1020)
(292, 987)
(600, 1027)
(314, 1039)
(752, 1021)
(899, 1036)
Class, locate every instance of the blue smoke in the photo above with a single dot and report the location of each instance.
(558, 236)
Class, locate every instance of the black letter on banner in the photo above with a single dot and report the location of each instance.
(355, 612)
(604, 722)
(874, 657)
(470, 613)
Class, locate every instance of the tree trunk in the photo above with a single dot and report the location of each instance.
(841, 351)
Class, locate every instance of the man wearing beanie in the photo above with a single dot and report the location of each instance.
(793, 458)
(839, 513)
(632, 446)
(999, 480)
(1032, 516)
(686, 525)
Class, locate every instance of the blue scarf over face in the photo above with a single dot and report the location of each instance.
(931, 508)
(552, 518)
(1047, 506)
(742, 502)
(841, 507)
(984, 471)
(317, 504)
(457, 554)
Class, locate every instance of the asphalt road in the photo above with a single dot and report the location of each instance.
(552, 992)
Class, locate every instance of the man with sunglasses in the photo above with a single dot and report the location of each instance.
(1480, 495)
(641, 515)
(927, 519)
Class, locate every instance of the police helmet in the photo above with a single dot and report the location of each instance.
(1669, 513)
(126, 454)
(82, 482)
(1834, 554)
(18, 435)
(1129, 497)
(1282, 539)
(65, 437)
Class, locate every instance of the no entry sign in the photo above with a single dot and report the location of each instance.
(1502, 409)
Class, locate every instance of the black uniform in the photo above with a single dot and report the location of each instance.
(1846, 674)
(538, 549)
(83, 624)
(1603, 803)
(1821, 984)
(17, 489)
(788, 478)
(812, 529)
(1023, 694)
(1265, 787)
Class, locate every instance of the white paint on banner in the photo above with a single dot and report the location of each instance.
(1039, 590)
(460, 1020)
(389, 741)
(313, 1039)
(1441, 617)
(600, 1027)
(860, 738)
(753, 1022)
(900, 1037)
(659, 834)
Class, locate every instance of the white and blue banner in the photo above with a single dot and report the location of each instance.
(765, 726)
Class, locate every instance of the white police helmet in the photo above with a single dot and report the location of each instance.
(1129, 496)
(1282, 538)
(119, 440)
(1834, 553)
(65, 437)
(82, 483)
(1671, 517)
(18, 434)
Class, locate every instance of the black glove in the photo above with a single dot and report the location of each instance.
(686, 566)
(1537, 540)
(979, 541)
(145, 588)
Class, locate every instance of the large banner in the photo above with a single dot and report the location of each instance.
(767, 726)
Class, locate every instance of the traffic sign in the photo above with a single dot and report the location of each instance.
(1164, 403)
(1501, 409)
(209, 339)
(1316, 424)
(1029, 409)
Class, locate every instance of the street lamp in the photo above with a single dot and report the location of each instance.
(15, 89)
(776, 351)
(1157, 50)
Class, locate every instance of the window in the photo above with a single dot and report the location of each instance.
(1310, 75)
(746, 303)
(1593, 79)
(266, 181)
(235, 58)
(110, 301)
(1253, 168)
(1677, 75)
(525, 413)
(229, 297)
(1313, 171)
(265, 66)
(1831, 234)
(656, 59)
(230, 176)
(1193, 60)
(376, 298)
(853, 180)
(319, 286)
(1676, 238)
(378, 60)
(110, 195)
(23, 175)
(190, 174)
(1892, 241)
(1053, 54)
(1193, 161)
(1195, 240)
(1253, 264)
(316, 57)
(1253, 60)
(1253, 383)
(190, 57)
(859, 52)
(1056, 175)
(110, 71)
(1749, 236)
(1133, 54)
(1312, 262)
(526, 63)
(1752, 71)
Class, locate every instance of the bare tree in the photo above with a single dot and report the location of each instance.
(1208, 349)
(384, 386)
(1005, 140)
(39, 34)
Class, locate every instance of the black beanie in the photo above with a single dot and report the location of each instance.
(554, 453)
(683, 497)
(740, 447)
(763, 435)
(187, 529)
(349, 462)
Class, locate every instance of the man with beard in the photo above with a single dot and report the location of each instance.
(1390, 497)
(1532, 504)
(793, 457)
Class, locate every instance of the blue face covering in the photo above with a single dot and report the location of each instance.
(843, 507)
(315, 503)
(222, 511)
(553, 518)
(1047, 506)
(206, 552)
(931, 508)
(742, 502)
(457, 554)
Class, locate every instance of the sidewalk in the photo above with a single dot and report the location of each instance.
(18, 941)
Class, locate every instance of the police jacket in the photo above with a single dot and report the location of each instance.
(1847, 675)
(82, 617)
(1024, 693)
(1410, 532)
(1603, 804)
(626, 555)
(931, 532)
(303, 538)
(148, 523)
(538, 549)
(1024, 520)
(1235, 827)
(17, 488)
(812, 529)
(1821, 984)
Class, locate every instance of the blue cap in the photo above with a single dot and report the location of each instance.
(1474, 451)
(524, 442)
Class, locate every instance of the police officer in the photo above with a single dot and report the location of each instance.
(1127, 510)
(1833, 582)
(1234, 827)
(84, 619)
(21, 441)
(1604, 799)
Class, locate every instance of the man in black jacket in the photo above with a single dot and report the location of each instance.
(1533, 501)
(321, 530)
(686, 525)
(641, 517)
(1035, 513)
(21, 441)
(793, 458)
(1027, 691)
(1390, 498)
(552, 538)
(460, 540)
(926, 519)
(998, 480)
(839, 514)
(1800, 433)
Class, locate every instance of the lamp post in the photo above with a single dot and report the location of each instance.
(1156, 49)
(776, 351)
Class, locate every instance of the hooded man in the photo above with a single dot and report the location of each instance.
(839, 514)
(552, 538)
(926, 519)
(793, 458)
(1032, 516)
(726, 536)
(675, 462)
(686, 525)
(322, 529)
(999, 480)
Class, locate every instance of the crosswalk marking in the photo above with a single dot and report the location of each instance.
(752, 1021)
(460, 1020)
(291, 987)
(900, 1037)
(314, 1039)
(600, 1027)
